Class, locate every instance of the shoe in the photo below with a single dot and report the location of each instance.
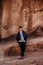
(22, 57)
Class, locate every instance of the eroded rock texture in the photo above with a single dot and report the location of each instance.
(28, 13)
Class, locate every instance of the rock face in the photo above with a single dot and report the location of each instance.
(28, 13)
(12, 51)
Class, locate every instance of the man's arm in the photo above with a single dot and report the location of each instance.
(17, 37)
(26, 35)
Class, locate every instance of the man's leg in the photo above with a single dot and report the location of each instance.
(23, 47)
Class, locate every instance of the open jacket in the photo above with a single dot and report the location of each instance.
(24, 35)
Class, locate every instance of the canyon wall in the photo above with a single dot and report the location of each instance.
(27, 13)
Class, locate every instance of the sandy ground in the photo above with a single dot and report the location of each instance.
(31, 58)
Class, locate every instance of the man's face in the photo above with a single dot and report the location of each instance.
(20, 29)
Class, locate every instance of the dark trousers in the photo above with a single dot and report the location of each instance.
(22, 47)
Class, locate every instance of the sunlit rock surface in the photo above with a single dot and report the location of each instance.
(14, 13)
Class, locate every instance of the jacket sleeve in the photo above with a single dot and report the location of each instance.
(26, 36)
(17, 37)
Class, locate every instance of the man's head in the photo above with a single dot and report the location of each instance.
(20, 28)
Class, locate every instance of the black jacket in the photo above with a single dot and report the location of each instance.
(18, 36)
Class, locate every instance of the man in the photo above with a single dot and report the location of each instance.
(21, 38)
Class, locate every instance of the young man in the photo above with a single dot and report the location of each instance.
(21, 38)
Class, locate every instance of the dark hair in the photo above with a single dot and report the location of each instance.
(20, 26)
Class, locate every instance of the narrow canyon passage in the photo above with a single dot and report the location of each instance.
(29, 15)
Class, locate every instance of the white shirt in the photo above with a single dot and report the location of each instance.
(21, 37)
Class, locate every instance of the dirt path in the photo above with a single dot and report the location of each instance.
(31, 58)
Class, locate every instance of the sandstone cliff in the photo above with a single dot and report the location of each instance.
(28, 13)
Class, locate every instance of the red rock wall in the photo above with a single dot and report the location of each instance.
(27, 13)
(0, 16)
(38, 15)
(6, 18)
